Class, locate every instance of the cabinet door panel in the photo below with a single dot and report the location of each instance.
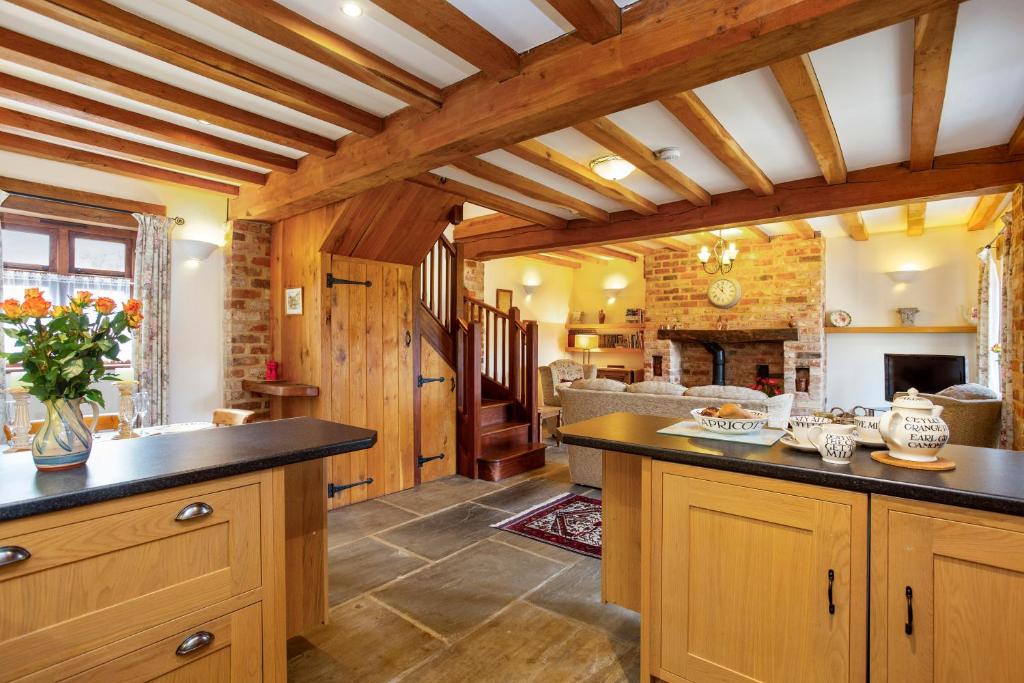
(437, 415)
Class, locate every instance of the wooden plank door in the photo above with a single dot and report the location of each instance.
(371, 369)
(963, 621)
(437, 415)
(743, 577)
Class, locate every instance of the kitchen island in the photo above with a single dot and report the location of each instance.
(763, 563)
(167, 556)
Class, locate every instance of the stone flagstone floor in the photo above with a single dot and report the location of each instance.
(423, 589)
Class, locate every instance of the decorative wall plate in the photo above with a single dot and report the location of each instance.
(840, 319)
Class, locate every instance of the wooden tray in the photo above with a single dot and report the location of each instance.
(940, 465)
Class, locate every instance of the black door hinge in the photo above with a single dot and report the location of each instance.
(336, 488)
(421, 380)
(421, 461)
(331, 281)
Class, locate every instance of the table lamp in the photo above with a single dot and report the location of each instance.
(585, 342)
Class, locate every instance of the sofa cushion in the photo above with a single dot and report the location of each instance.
(968, 392)
(727, 392)
(653, 387)
(599, 384)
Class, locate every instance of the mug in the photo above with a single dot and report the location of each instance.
(867, 428)
(801, 423)
(835, 443)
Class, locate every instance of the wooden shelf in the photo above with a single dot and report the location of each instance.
(280, 388)
(604, 326)
(935, 329)
(606, 349)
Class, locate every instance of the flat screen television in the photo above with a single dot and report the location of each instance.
(926, 373)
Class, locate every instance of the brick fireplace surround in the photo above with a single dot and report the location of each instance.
(782, 281)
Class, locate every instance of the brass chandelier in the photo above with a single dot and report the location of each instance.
(720, 258)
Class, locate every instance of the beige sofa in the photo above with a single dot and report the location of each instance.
(583, 404)
(972, 422)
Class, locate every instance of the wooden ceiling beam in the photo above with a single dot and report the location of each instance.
(101, 162)
(670, 244)
(489, 200)
(800, 85)
(60, 102)
(33, 212)
(699, 120)
(580, 256)
(664, 48)
(552, 160)
(612, 137)
(495, 222)
(26, 124)
(801, 228)
(985, 211)
(555, 261)
(1016, 144)
(612, 253)
(915, 219)
(444, 24)
(594, 20)
(933, 45)
(530, 188)
(758, 233)
(853, 225)
(636, 248)
(57, 61)
(280, 25)
(71, 196)
(153, 40)
(963, 174)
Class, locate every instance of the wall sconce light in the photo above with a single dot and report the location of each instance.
(528, 290)
(903, 276)
(612, 293)
(195, 251)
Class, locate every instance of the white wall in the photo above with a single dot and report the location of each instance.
(589, 297)
(197, 297)
(856, 281)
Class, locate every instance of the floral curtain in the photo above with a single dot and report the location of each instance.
(1009, 356)
(3, 363)
(984, 342)
(153, 288)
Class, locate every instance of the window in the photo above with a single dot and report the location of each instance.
(62, 258)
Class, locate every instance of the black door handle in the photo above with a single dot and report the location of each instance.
(908, 627)
(831, 605)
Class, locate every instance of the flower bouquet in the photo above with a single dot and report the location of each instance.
(767, 385)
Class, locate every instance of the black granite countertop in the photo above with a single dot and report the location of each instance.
(984, 478)
(117, 469)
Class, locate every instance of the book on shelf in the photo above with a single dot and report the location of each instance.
(634, 340)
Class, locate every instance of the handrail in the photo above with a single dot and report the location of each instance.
(487, 307)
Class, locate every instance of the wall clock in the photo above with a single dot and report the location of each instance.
(724, 293)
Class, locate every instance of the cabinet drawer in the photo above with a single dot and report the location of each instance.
(224, 650)
(93, 578)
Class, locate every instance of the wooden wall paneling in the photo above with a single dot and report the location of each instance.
(437, 413)
(375, 379)
(391, 351)
(407, 302)
(357, 376)
(340, 402)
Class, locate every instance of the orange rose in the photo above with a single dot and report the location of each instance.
(135, 321)
(32, 293)
(105, 305)
(82, 297)
(36, 306)
(133, 307)
(12, 308)
(58, 311)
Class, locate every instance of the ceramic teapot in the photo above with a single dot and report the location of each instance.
(913, 429)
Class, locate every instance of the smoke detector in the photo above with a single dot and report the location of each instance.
(668, 153)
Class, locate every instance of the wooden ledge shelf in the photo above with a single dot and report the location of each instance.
(604, 326)
(607, 349)
(935, 329)
(280, 388)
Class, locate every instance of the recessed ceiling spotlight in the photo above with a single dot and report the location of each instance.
(611, 167)
(351, 9)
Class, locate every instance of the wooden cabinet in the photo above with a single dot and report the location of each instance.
(624, 375)
(947, 589)
(752, 579)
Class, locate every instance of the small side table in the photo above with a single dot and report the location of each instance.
(547, 412)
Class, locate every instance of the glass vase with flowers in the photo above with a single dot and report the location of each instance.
(62, 351)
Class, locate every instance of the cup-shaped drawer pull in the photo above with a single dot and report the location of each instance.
(196, 641)
(193, 511)
(12, 554)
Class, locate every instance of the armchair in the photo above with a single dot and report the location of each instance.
(564, 371)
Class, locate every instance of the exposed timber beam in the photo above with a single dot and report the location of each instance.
(933, 45)
(80, 197)
(530, 188)
(28, 125)
(853, 225)
(153, 40)
(800, 85)
(610, 136)
(495, 222)
(664, 49)
(57, 61)
(963, 174)
(47, 150)
(552, 160)
(637, 248)
(670, 244)
(489, 200)
(986, 211)
(555, 261)
(594, 20)
(443, 23)
(915, 219)
(612, 253)
(1016, 144)
(758, 233)
(699, 120)
(580, 256)
(802, 228)
(280, 25)
(60, 102)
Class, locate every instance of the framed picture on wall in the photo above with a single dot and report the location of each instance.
(503, 300)
(293, 301)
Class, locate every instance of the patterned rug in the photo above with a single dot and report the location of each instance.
(570, 521)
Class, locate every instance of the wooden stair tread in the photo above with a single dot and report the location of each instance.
(503, 426)
(493, 402)
(511, 452)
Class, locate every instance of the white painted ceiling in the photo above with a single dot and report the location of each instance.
(866, 82)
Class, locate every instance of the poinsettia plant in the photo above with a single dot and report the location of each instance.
(768, 385)
(62, 349)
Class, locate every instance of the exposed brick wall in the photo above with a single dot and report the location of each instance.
(473, 278)
(246, 313)
(1015, 359)
(781, 281)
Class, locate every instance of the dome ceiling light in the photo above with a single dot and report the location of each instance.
(611, 167)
